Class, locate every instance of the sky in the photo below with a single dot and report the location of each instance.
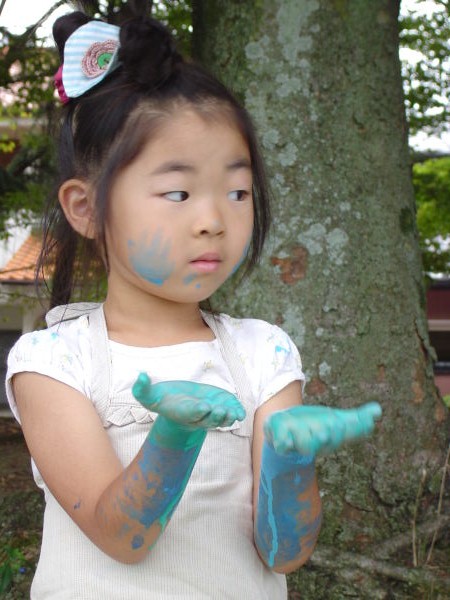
(17, 14)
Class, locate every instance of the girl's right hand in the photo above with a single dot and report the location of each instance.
(195, 405)
(312, 430)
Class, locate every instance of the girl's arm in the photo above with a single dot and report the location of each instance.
(287, 437)
(122, 510)
(283, 551)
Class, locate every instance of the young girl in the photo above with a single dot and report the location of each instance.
(170, 443)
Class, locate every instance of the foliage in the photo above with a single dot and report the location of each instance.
(13, 562)
(174, 13)
(426, 88)
(20, 535)
(26, 85)
(431, 180)
(177, 14)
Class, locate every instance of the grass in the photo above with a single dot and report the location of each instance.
(20, 538)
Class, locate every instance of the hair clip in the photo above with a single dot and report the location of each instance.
(90, 53)
(59, 86)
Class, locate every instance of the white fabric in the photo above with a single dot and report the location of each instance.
(207, 550)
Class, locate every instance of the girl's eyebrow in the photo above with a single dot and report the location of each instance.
(173, 166)
(240, 163)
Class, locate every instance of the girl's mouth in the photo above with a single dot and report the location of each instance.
(206, 263)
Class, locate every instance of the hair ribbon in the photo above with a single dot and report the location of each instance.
(90, 53)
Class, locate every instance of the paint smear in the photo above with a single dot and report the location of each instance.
(150, 258)
(137, 542)
(241, 260)
(189, 279)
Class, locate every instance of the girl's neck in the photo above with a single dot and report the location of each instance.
(154, 322)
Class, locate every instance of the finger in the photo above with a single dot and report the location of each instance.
(216, 417)
(359, 422)
(372, 409)
(197, 412)
(312, 437)
(278, 433)
(232, 408)
(302, 438)
(142, 389)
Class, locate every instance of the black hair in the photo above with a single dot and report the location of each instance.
(107, 127)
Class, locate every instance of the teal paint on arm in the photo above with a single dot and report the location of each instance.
(285, 524)
(279, 530)
(137, 542)
(186, 410)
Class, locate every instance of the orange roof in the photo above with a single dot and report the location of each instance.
(22, 266)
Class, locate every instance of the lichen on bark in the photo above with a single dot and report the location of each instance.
(322, 82)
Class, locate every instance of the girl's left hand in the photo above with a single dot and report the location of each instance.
(190, 404)
(310, 430)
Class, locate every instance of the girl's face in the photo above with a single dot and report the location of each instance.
(181, 215)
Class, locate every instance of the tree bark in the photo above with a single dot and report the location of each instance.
(342, 272)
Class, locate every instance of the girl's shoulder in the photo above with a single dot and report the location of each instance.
(62, 351)
(261, 342)
(67, 334)
(270, 357)
(254, 332)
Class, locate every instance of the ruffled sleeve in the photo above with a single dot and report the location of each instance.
(282, 364)
(270, 358)
(57, 352)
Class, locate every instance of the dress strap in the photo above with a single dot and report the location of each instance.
(101, 385)
(101, 356)
(68, 312)
(238, 373)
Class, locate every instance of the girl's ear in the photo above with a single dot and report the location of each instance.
(77, 201)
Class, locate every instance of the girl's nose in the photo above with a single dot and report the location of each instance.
(210, 220)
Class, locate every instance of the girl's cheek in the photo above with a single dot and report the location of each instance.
(150, 257)
(242, 258)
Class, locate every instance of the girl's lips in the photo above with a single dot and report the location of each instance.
(206, 263)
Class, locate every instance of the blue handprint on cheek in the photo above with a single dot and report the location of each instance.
(150, 259)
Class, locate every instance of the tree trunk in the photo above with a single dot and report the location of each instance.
(342, 271)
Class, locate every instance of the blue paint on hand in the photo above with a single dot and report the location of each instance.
(194, 405)
(310, 430)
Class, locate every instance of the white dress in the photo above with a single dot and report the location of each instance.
(207, 550)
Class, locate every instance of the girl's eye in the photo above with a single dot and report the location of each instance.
(238, 195)
(176, 196)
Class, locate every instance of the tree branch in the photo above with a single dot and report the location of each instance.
(326, 558)
(389, 547)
